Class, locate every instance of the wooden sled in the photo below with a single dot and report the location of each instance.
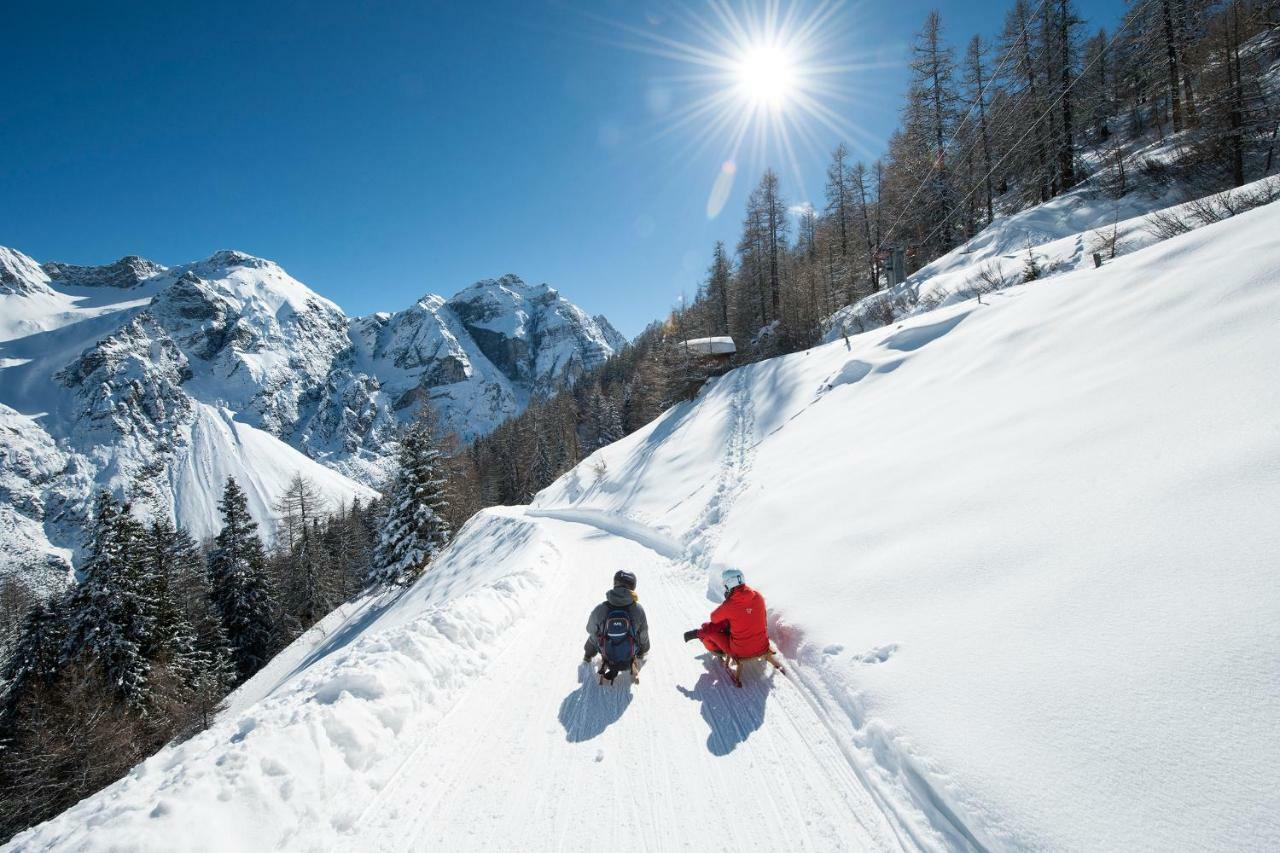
(734, 665)
(635, 673)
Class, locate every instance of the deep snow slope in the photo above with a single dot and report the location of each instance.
(1031, 544)
(159, 383)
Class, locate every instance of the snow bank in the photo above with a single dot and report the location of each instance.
(312, 740)
(1029, 546)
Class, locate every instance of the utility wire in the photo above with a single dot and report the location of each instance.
(937, 163)
(1131, 18)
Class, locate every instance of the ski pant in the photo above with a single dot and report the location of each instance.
(714, 637)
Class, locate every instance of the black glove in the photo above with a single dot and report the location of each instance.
(691, 635)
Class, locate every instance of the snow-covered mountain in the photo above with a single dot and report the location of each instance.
(161, 382)
(1019, 555)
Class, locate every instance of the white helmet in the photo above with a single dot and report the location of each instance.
(731, 578)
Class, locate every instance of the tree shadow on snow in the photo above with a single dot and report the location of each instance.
(588, 711)
(732, 713)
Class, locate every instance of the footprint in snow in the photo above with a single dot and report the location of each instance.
(599, 755)
(879, 654)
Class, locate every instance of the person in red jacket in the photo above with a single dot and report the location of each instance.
(739, 627)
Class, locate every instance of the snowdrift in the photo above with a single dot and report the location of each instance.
(1032, 544)
(300, 756)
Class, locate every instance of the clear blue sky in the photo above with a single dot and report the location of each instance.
(380, 151)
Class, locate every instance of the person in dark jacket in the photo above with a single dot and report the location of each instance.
(622, 596)
(738, 628)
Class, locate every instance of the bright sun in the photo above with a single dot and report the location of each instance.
(766, 76)
(765, 81)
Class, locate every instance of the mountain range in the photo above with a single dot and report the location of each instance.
(160, 382)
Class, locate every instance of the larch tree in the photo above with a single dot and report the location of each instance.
(307, 588)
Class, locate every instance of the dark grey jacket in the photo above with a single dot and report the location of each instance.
(619, 596)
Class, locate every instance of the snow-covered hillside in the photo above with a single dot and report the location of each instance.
(160, 383)
(1020, 557)
(1059, 236)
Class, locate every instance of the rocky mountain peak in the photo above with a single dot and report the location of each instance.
(225, 258)
(129, 271)
(21, 275)
(230, 353)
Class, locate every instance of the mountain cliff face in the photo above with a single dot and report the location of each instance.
(21, 276)
(161, 382)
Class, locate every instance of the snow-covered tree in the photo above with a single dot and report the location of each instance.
(34, 658)
(206, 652)
(413, 525)
(604, 421)
(110, 615)
(240, 590)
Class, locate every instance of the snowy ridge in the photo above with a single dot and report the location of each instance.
(160, 382)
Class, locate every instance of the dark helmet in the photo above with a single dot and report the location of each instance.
(625, 579)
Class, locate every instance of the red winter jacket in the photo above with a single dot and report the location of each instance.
(742, 614)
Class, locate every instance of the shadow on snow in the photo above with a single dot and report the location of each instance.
(588, 711)
(732, 713)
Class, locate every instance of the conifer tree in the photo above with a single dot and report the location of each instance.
(413, 525)
(977, 81)
(307, 588)
(719, 280)
(110, 616)
(240, 590)
(34, 659)
(605, 421)
(930, 119)
(172, 637)
(840, 208)
(211, 671)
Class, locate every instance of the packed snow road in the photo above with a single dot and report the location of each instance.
(540, 755)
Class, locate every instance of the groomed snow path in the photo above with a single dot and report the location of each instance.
(537, 750)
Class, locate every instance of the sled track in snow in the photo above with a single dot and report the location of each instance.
(517, 764)
(919, 815)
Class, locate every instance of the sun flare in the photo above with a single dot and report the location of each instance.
(766, 76)
(762, 81)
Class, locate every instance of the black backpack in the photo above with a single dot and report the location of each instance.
(617, 640)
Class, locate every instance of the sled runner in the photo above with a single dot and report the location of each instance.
(734, 665)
